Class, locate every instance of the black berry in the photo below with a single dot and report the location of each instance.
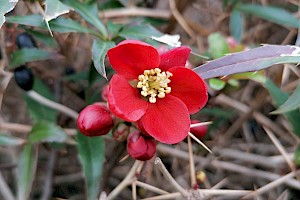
(24, 77)
(24, 40)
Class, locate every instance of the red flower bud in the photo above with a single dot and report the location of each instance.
(140, 147)
(104, 92)
(198, 131)
(95, 120)
(121, 132)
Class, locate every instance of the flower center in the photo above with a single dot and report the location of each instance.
(154, 83)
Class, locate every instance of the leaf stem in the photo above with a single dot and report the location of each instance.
(51, 104)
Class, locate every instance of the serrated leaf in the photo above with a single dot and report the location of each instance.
(26, 171)
(218, 46)
(60, 24)
(44, 131)
(37, 110)
(99, 50)
(273, 14)
(139, 32)
(89, 12)
(6, 6)
(236, 24)
(251, 60)
(54, 8)
(91, 155)
(25, 55)
(8, 140)
(292, 103)
(216, 84)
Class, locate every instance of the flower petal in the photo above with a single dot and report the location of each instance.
(124, 100)
(174, 58)
(189, 87)
(130, 58)
(167, 120)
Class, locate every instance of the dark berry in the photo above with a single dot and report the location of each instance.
(24, 77)
(24, 40)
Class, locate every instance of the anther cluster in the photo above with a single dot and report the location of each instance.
(154, 83)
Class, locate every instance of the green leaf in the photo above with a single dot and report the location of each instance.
(139, 32)
(236, 24)
(66, 25)
(91, 155)
(89, 12)
(27, 20)
(25, 55)
(279, 97)
(297, 156)
(54, 8)
(273, 14)
(218, 46)
(26, 171)
(99, 50)
(44, 131)
(6, 6)
(8, 140)
(216, 84)
(60, 24)
(292, 103)
(37, 110)
(113, 28)
(46, 39)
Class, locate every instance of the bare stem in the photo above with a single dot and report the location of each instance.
(169, 177)
(150, 188)
(53, 105)
(126, 181)
(192, 163)
(199, 141)
(5, 190)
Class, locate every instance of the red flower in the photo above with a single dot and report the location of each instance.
(198, 131)
(95, 120)
(140, 147)
(155, 89)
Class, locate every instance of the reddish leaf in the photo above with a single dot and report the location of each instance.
(251, 60)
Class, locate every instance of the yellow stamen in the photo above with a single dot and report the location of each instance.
(154, 83)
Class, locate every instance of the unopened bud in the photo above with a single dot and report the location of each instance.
(140, 147)
(198, 131)
(95, 120)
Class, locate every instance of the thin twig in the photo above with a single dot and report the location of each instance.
(126, 181)
(133, 186)
(227, 166)
(280, 148)
(271, 185)
(180, 19)
(53, 105)
(150, 188)
(200, 124)
(191, 161)
(22, 128)
(47, 189)
(199, 141)
(204, 192)
(5, 190)
(134, 12)
(169, 177)
(174, 195)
